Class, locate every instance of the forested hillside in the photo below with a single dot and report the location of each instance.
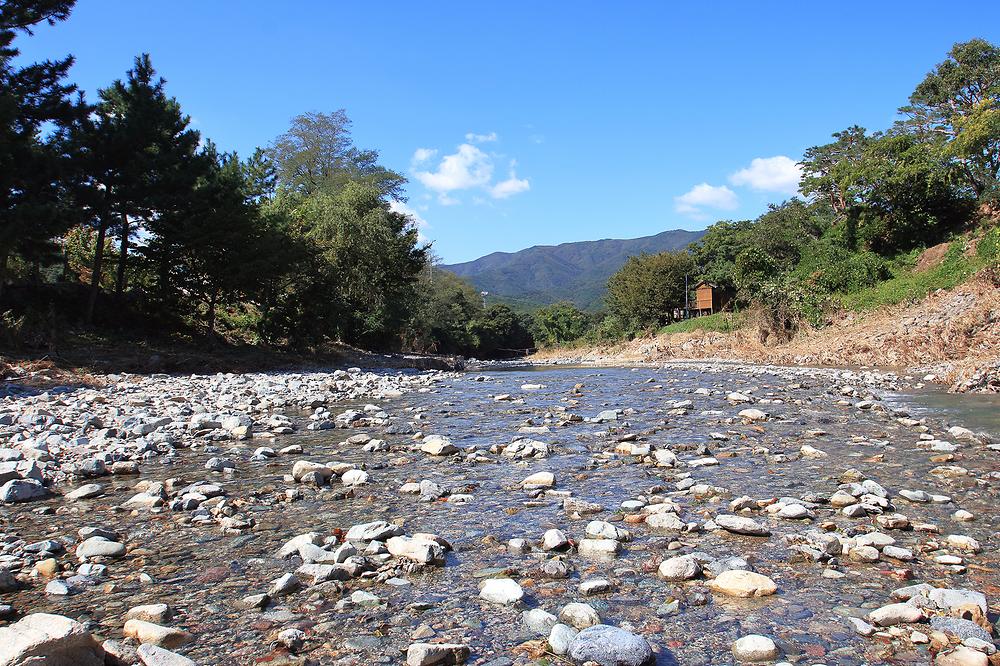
(575, 272)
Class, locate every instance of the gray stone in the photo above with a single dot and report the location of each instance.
(22, 490)
(963, 629)
(741, 525)
(87, 491)
(579, 616)
(680, 568)
(378, 530)
(610, 646)
(99, 547)
(894, 614)
(948, 598)
(436, 654)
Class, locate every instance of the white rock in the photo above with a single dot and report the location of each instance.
(598, 548)
(540, 480)
(753, 415)
(354, 477)
(739, 583)
(501, 591)
(894, 614)
(43, 639)
(436, 445)
(755, 648)
(154, 655)
(554, 540)
(87, 491)
(436, 654)
(680, 568)
(424, 551)
(579, 616)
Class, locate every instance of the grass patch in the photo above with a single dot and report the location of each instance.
(720, 322)
(906, 285)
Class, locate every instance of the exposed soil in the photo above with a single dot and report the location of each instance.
(954, 335)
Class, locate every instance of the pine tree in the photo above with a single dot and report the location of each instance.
(36, 108)
(139, 157)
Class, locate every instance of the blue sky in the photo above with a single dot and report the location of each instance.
(524, 123)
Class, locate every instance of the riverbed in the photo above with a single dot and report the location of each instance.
(601, 428)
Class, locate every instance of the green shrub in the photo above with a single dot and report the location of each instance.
(910, 285)
(783, 306)
(989, 245)
(753, 267)
(611, 328)
(831, 268)
(989, 251)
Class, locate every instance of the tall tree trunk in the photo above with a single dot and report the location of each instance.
(3, 269)
(95, 273)
(65, 263)
(211, 313)
(122, 258)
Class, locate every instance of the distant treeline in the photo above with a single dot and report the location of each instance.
(116, 215)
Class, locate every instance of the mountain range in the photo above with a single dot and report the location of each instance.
(576, 272)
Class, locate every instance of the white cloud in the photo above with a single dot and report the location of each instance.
(416, 220)
(421, 155)
(481, 138)
(513, 185)
(467, 167)
(770, 174)
(703, 196)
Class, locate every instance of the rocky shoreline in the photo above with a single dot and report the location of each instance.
(624, 517)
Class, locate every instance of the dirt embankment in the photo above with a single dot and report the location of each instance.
(953, 334)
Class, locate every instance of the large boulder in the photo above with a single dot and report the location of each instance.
(610, 646)
(42, 639)
(22, 490)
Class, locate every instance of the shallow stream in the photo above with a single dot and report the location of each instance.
(202, 573)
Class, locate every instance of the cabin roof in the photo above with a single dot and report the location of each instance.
(704, 283)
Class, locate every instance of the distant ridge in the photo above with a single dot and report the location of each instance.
(576, 272)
